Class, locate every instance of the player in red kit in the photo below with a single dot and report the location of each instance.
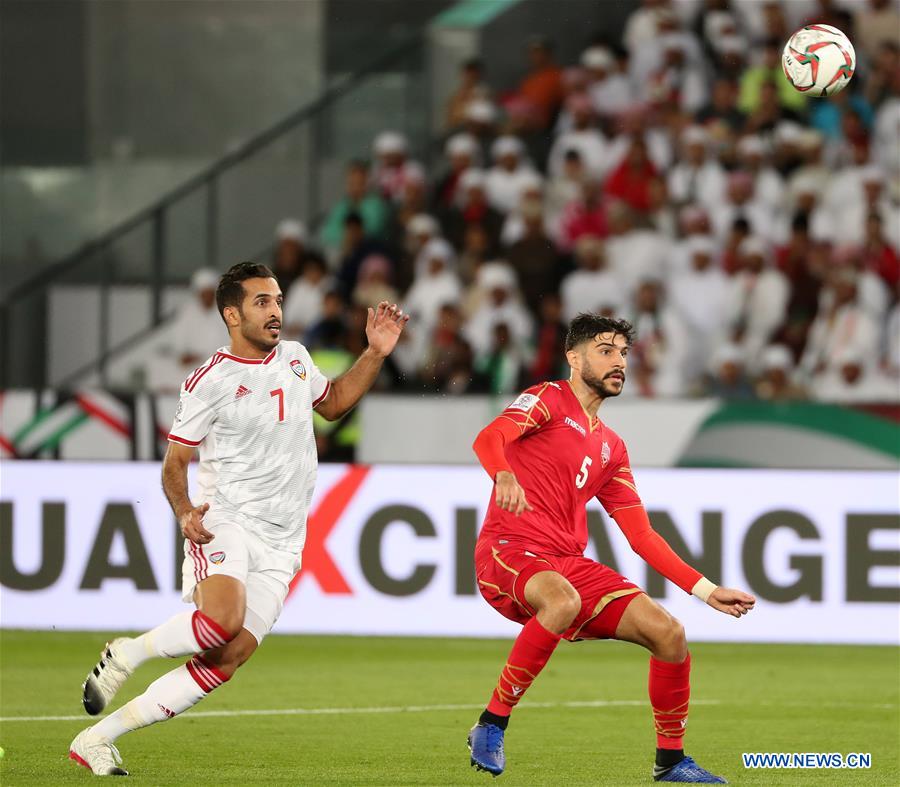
(549, 454)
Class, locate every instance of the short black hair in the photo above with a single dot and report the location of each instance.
(586, 326)
(230, 291)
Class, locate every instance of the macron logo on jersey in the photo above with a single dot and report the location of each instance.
(241, 391)
(576, 426)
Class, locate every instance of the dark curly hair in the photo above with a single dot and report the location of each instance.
(586, 326)
(230, 291)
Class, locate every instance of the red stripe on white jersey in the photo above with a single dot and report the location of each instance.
(238, 358)
(217, 358)
(193, 375)
(324, 394)
(183, 440)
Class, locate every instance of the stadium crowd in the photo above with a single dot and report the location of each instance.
(674, 178)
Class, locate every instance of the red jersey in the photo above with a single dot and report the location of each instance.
(562, 460)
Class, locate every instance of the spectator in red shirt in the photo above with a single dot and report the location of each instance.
(584, 216)
(636, 179)
(540, 94)
(878, 254)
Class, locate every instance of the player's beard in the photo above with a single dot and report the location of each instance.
(260, 337)
(600, 385)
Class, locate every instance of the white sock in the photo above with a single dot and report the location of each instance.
(167, 696)
(183, 635)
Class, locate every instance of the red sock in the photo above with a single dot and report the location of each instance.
(670, 693)
(530, 652)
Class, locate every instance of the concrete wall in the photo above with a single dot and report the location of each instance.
(193, 77)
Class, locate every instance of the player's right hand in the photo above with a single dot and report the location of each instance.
(191, 523)
(508, 493)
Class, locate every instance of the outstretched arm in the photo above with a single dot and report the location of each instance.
(383, 328)
(654, 549)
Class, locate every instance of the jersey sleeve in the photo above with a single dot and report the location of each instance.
(620, 490)
(527, 413)
(530, 410)
(319, 384)
(193, 420)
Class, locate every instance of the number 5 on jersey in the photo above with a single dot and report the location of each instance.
(581, 478)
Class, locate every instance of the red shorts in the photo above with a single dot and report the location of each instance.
(503, 570)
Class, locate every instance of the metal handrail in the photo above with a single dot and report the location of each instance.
(72, 378)
(45, 278)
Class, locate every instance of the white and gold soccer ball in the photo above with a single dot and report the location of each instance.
(818, 60)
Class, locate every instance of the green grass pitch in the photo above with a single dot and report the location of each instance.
(415, 700)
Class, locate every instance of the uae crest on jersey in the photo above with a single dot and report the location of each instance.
(298, 368)
(604, 454)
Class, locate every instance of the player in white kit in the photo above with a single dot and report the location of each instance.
(249, 411)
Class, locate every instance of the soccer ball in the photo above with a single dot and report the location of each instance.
(818, 60)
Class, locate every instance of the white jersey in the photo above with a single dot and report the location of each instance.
(253, 422)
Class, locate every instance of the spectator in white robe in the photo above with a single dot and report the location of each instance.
(636, 250)
(499, 303)
(197, 330)
(741, 202)
(435, 285)
(842, 331)
(768, 185)
(393, 168)
(609, 89)
(510, 171)
(757, 300)
(697, 176)
(584, 136)
(593, 283)
(700, 297)
(657, 357)
(303, 301)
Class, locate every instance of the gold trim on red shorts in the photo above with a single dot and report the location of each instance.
(601, 605)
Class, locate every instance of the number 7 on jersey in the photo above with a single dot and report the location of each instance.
(279, 392)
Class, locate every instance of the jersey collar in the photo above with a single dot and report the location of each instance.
(238, 358)
(593, 423)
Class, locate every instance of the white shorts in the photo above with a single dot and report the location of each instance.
(265, 572)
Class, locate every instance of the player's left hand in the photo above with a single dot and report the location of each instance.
(731, 602)
(384, 325)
